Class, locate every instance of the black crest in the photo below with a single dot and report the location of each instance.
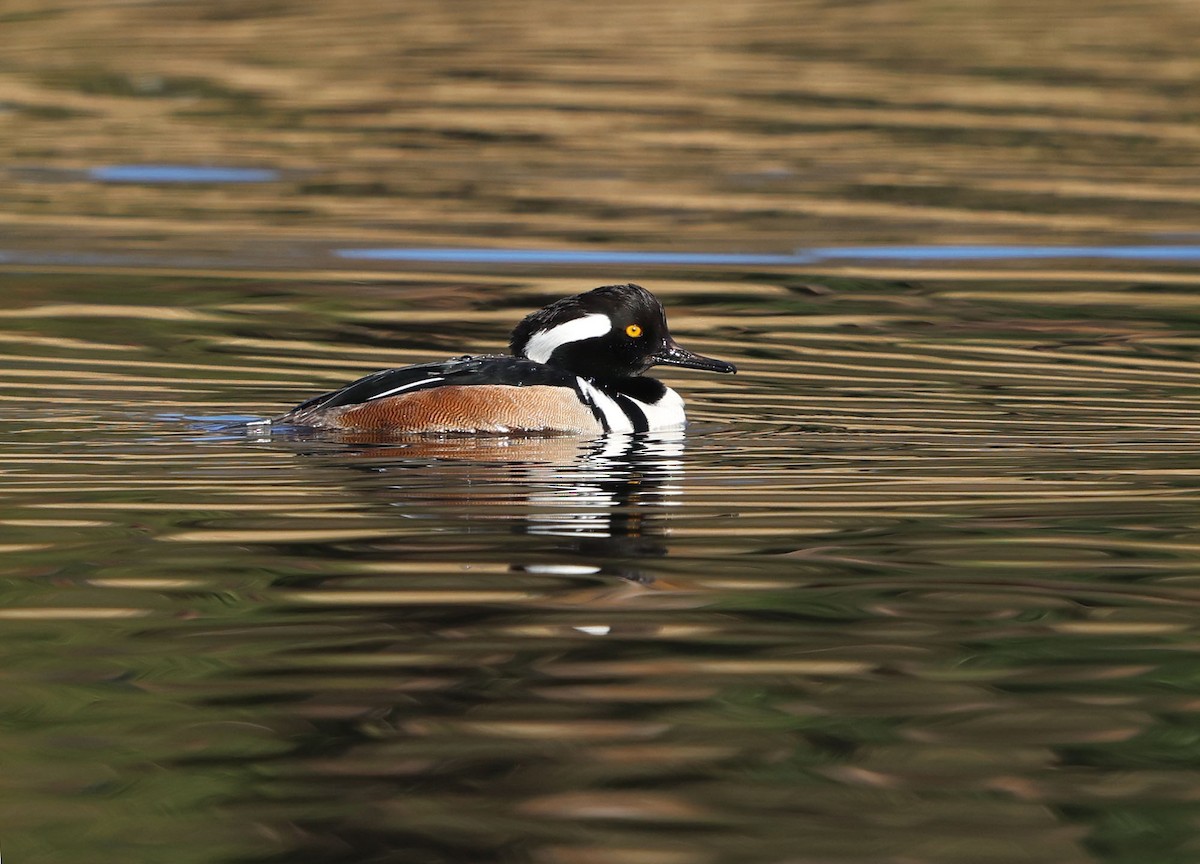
(613, 355)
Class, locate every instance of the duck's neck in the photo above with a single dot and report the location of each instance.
(634, 404)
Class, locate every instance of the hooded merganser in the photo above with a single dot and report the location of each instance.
(576, 368)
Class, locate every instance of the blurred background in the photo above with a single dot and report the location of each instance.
(699, 126)
(920, 584)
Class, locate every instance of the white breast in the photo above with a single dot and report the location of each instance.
(666, 413)
(615, 419)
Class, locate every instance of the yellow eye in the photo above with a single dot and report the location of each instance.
(633, 330)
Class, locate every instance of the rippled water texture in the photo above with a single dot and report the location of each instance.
(919, 584)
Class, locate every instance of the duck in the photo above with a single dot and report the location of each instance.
(576, 367)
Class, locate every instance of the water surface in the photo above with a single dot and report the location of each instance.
(914, 580)
(919, 584)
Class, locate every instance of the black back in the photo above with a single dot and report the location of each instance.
(490, 369)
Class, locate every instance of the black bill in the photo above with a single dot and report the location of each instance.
(673, 355)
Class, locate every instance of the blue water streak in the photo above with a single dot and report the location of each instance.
(180, 174)
(1013, 253)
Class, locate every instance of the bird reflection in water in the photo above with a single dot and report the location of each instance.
(598, 506)
(610, 502)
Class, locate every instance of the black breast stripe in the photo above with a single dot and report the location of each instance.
(648, 391)
(637, 417)
(631, 394)
(587, 400)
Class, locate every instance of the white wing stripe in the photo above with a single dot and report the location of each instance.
(407, 386)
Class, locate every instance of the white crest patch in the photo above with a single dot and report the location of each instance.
(545, 342)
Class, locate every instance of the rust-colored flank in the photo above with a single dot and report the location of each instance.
(475, 408)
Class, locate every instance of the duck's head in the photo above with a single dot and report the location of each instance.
(617, 331)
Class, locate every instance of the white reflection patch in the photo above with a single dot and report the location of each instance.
(595, 630)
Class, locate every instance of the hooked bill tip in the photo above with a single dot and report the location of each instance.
(673, 355)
